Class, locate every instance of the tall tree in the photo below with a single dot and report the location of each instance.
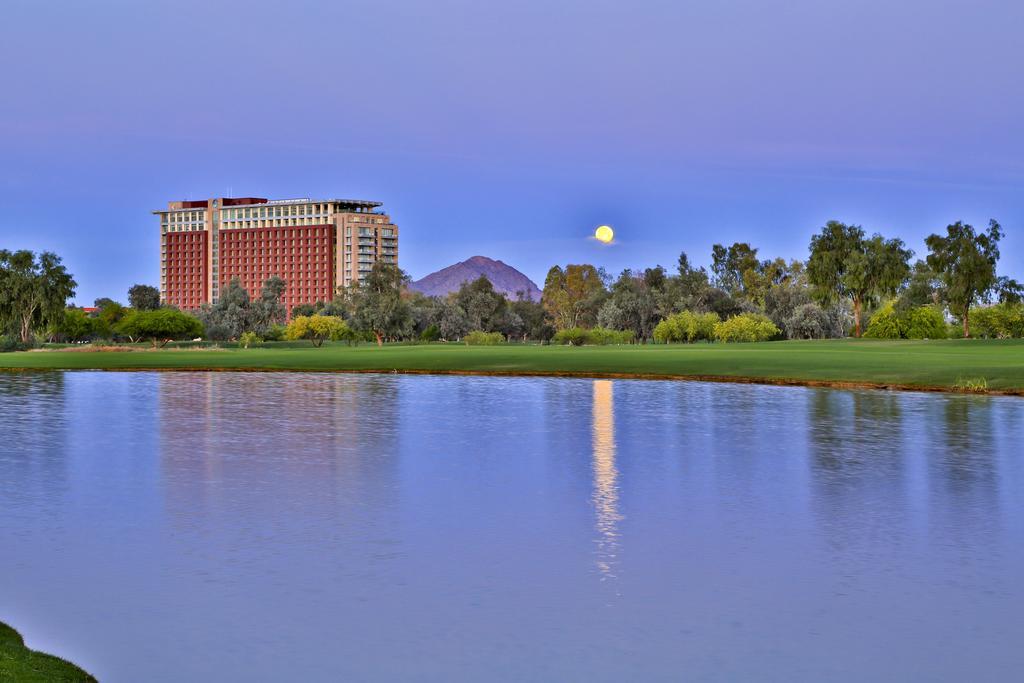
(965, 261)
(33, 292)
(144, 297)
(378, 303)
(573, 296)
(730, 263)
(633, 303)
(692, 281)
(844, 263)
(230, 316)
(268, 309)
(485, 308)
(922, 289)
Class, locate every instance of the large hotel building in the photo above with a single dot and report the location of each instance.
(315, 245)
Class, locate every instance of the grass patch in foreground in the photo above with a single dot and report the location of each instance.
(18, 664)
(996, 365)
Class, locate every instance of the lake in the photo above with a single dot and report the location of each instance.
(318, 527)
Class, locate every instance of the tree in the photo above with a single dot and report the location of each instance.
(33, 292)
(159, 326)
(729, 265)
(144, 298)
(1008, 290)
(229, 317)
(103, 302)
(303, 309)
(965, 262)
(534, 322)
(268, 309)
(235, 313)
(74, 325)
(633, 304)
(717, 301)
(452, 322)
(922, 288)
(846, 264)
(485, 308)
(688, 284)
(317, 329)
(572, 297)
(378, 303)
(109, 314)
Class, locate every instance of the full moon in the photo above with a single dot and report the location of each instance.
(604, 234)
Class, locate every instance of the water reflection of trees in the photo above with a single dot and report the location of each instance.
(963, 438)
(857, 465)
(34, 426)
(237, 440)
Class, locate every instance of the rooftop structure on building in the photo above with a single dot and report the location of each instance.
(316, 245)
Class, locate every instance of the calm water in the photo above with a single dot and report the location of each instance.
(281, 527)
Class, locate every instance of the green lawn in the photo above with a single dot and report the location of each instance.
(924, 364)
(19, 664)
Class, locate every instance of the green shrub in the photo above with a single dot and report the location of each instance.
(249, 339)
(603, 336)
(571, 336)
(1002, 321)
(274, 333)
(431, 334)
(686, 327)
(595, 336)
(886, 323)
(746, 327)
(479, 338)
(12, 344)
(925, 322)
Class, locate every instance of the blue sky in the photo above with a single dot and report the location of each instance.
(512, 129)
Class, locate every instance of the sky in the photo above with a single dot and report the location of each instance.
(512, 129)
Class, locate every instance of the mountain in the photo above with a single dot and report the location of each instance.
(503, 277)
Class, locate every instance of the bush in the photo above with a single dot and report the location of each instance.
(925, 322)
(571, 336)
(249, 339)
(12, 344)
(431, 334)
(686, 327)
(1002, 321)
(479, 338)
(602, 336)
(809, 321)
(746, 327)
(595, 336)
(274, 333)
(886, 323)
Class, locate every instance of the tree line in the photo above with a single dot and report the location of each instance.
(852, 283)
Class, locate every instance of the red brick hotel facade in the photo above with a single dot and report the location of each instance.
(315, 245)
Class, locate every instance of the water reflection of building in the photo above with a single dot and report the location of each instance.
(606, 489)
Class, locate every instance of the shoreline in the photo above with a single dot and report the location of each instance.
(568, 374)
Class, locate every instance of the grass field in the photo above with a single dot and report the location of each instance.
(992, 365)
(18, 664)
